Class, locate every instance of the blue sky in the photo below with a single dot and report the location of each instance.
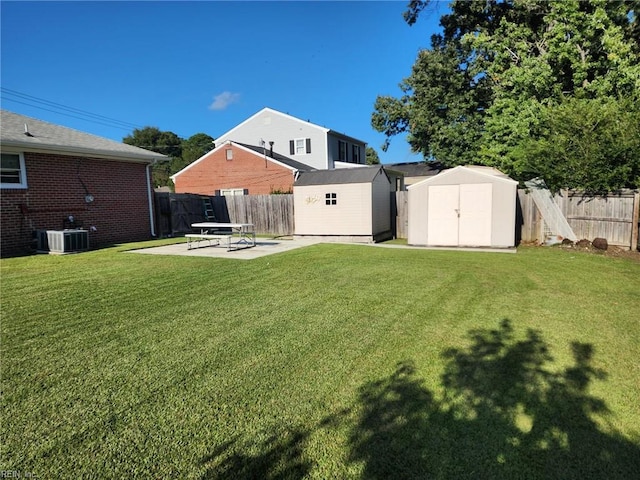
(191, 67)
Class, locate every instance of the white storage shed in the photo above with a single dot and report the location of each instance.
(347, 204)
(465, 206)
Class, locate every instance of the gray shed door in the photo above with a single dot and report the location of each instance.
(460, 215)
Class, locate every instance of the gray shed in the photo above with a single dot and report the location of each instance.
(351, 204)
(468, 206)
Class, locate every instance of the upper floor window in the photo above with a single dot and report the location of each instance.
(300, 146)
(12, 171)
(355, 153)
(342, 151)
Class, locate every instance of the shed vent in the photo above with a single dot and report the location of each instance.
(63, 241)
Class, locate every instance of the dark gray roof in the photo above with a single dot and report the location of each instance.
(276, 156)
(417, 169)
(48, 137)
(339, 176)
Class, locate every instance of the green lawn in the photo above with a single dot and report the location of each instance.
(331, 361)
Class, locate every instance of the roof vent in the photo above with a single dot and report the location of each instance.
(26, 131)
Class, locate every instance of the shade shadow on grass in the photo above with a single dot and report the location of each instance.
(504, 415)
(278, 456)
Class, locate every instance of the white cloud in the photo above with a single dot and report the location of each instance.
(223, 100)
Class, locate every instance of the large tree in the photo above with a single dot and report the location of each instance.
(193, 148)
(181, 152)
(492, 82)
(156, 140)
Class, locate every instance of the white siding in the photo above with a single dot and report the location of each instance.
(381, 198)
(350, 216)
(272, 126)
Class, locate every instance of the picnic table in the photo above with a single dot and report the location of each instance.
(216, 233)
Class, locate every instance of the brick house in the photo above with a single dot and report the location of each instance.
(292, 143)
(50, 173)
(239, 169)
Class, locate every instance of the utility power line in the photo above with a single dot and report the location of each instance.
(43, 104)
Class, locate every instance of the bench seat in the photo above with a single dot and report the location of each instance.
(200, 237)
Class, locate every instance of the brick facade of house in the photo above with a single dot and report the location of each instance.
(57, 187)
(246, 170)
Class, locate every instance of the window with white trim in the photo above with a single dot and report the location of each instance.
(229, 192)
(12, 171)
(300, 146)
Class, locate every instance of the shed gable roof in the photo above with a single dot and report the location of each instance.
(48, 137)
(339, 176)
(480, 171)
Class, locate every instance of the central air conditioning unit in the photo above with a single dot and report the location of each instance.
(63, 241)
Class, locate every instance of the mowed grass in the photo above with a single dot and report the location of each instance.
(331, 361)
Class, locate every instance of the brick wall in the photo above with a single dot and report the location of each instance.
(56, 189)
(247, 170)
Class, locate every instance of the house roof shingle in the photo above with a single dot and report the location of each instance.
(276, 156)
(48, 137)
(339, 176)
(417, 169)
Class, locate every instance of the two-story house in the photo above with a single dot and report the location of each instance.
(265, 153)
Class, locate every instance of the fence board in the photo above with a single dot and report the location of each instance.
(271, 214)
(401, 217)
(609, 217)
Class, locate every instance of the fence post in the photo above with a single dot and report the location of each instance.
(634, 221)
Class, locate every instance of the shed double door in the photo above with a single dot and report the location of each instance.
(460, 215)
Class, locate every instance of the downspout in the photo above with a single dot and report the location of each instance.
(150, 196)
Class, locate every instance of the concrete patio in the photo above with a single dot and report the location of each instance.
(268, 246)
(263, 247)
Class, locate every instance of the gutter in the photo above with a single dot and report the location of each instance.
(105, 154)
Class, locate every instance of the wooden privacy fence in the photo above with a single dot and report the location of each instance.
(614, 217)
(401, 220)
(271, 214)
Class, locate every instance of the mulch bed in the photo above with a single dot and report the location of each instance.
(585, 246)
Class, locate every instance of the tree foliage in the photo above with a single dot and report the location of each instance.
(488, 88)
(181, 152)
(594, 144)
(193, 148)
(372, 157)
